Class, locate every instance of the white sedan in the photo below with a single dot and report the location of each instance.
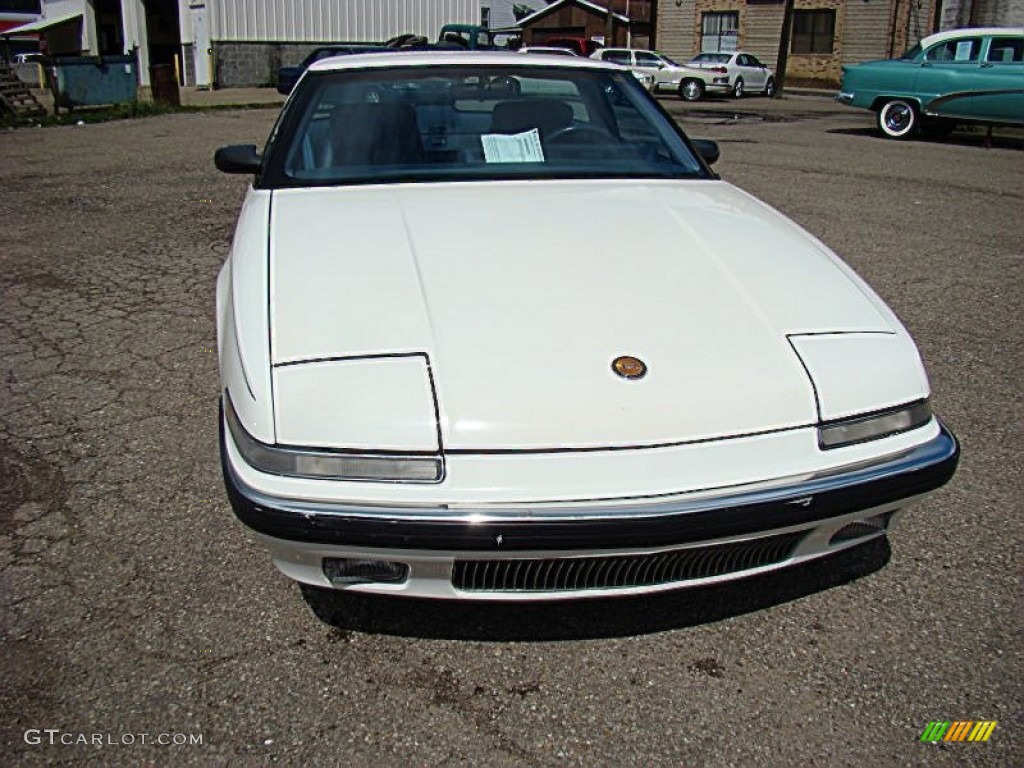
(744, 72)
(690, 83)
(548, 50)
(452, 367)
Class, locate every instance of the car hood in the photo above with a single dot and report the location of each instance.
(521, 295)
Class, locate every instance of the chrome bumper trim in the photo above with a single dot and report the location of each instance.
(795, 501)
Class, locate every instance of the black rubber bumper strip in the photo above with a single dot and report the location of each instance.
(389, 531)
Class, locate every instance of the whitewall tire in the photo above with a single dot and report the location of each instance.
(898, 119)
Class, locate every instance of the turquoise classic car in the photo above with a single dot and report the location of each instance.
(963, 75)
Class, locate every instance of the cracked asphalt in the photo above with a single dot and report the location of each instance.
(134, 603)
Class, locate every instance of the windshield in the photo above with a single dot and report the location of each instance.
(434, 123)
(668, 60)
(712, 58)
(911, 53)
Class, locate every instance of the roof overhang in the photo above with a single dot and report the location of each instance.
(44, 24)
(560, 3)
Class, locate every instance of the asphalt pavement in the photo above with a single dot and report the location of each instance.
(135, 605)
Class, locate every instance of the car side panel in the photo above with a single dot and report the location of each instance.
(753, 77)
(1000, 92)
(946, 88)
(872, 81)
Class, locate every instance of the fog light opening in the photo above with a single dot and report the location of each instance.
(343, 571)
(860, 529)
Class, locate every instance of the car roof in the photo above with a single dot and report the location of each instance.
(350, 48)
(952, 34)
(449, 58)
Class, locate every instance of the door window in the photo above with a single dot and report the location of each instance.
(1006, 50)
(960, 50)
(644, 59)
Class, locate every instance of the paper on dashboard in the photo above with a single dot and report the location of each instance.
(514, 148)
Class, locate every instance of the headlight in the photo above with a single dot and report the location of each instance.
(336, 465)
(873, 426)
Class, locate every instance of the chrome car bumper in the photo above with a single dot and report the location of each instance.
(534, 552)
(844, 98)
(666, 86)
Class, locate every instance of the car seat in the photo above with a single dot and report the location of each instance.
(519, 116)
(373, 134)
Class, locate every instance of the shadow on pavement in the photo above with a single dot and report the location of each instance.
(602, 618)
(959, 138)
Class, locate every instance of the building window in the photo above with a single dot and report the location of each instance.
(719, 31)
(485, 17)
(813, 31)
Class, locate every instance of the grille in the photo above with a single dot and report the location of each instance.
(571, 574)
(861, 528)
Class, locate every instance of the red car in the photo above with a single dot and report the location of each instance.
(579, 45)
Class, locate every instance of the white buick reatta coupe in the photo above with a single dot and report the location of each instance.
(491, 329)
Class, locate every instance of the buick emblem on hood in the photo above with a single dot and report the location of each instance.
(629, 367)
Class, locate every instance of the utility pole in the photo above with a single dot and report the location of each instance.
(629, 28)
(780, 63)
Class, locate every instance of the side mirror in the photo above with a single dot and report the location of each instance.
(286, 79)
(237, 158)
(707, 149)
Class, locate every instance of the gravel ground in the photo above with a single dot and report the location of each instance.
(134, 603)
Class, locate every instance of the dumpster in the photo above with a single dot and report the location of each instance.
(164, 84)
(85, 81)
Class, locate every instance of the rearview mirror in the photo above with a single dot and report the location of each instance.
(237, 158)
(707, 149)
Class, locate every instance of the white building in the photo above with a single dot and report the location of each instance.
(236, 42)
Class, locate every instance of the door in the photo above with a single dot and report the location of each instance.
(648, 63)
(751, 71)
(201, 50)
(1000, 81)
(947, 76)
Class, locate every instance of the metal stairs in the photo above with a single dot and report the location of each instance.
(15, 97)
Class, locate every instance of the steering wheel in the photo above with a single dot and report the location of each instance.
(587, 132)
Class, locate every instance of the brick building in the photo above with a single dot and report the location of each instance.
(826, 34)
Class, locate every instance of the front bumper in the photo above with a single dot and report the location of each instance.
(845, 98)
(796, 519)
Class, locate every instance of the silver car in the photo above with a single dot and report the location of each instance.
(742, 71)
(689, 82)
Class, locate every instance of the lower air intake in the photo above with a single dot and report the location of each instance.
(573, 574)
(859, 529)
